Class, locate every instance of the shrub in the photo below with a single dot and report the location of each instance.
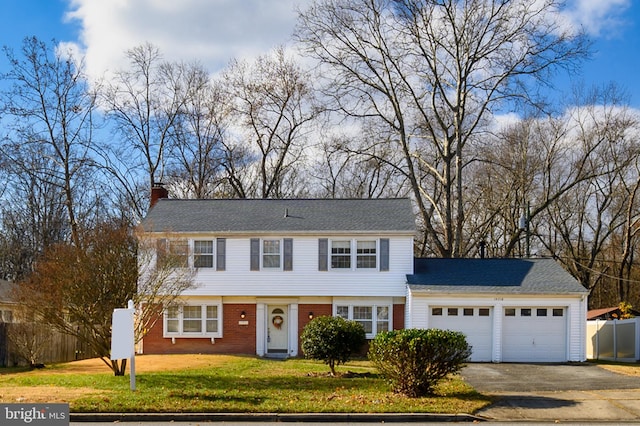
(332, 340)
(413, 361)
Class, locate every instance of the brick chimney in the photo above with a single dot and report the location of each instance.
(158, 191)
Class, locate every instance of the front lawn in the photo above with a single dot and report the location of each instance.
(224, 384)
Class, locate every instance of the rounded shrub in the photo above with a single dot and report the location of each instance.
(413, 361)
(332, 340)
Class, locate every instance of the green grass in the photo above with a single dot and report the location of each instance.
(248, 385)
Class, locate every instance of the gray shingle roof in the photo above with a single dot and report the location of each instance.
(270, 215)
(505, 276)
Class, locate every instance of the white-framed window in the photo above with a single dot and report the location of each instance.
(193, 320)
(174, 251)
(354, 254)
(203, 254)
(366, 255)
(271, 253)
(340, 254)
(375, 318)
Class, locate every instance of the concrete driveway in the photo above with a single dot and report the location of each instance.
(549, 392)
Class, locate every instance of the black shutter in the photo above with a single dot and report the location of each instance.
(323, 252)
(255, 254)
(221, 253)
(384, 254)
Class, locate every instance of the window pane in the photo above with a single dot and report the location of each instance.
(510, 312)
(525, 312)
(558, 312)
(483, 312)
(364, 315)
(191, 319)
(366, 254)
(179, 250)
(541, 312)
(173, 323)
(340, 254)
(468, 312)
(382, 319)
(342, 312)
(203, 254)
(172, 326)
(271, 253)
(452, 312)
(436, 311)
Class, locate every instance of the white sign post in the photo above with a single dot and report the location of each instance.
(123, 339)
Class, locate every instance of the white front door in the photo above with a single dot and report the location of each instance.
(277, 330)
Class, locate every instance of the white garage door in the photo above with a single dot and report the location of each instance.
(475, 322)
(534, 334)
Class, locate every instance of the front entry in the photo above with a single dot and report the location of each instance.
(277, 330)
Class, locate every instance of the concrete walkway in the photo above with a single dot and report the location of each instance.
(565, 392)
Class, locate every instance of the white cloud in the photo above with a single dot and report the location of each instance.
(598, 17)
(209, 31)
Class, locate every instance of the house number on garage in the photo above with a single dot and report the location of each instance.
(498, 299)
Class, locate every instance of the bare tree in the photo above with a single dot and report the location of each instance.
(143, 103)
(196, 151)
(433, 72)
(273, 106)
(51, 112)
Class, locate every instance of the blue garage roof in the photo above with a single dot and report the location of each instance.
(506, 276)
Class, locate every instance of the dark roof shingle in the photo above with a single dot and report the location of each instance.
(278, 215)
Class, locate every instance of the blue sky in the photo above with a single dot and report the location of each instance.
(214, 31)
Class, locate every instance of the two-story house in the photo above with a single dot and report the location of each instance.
(266, 267)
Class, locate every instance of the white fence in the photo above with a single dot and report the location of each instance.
(615, 340)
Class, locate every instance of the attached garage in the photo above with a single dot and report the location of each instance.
(511, 310)
(534, 334)
(475, 322)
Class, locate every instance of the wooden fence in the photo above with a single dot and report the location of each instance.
(59, 347)
(614, 340)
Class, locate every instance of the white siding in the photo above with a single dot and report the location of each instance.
(569, 340)
(305, 279)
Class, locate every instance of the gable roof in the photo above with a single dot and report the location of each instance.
(505, 276)
(384, 215)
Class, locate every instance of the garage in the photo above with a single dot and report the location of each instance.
(534, 334)
(511, 310)
(475, 322)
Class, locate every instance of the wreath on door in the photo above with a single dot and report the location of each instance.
(277, 321)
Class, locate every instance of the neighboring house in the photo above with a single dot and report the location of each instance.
(265, 268)
(609, 314)
(7, 304)
(512, 310)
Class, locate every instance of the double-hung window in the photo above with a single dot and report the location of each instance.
(353, 254)
(174, 253)
(366, 254)
(202, 254)
(340, 254)
(193, 320)
(271, 253)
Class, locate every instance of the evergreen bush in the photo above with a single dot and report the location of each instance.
(332, 340)
(413, 361)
